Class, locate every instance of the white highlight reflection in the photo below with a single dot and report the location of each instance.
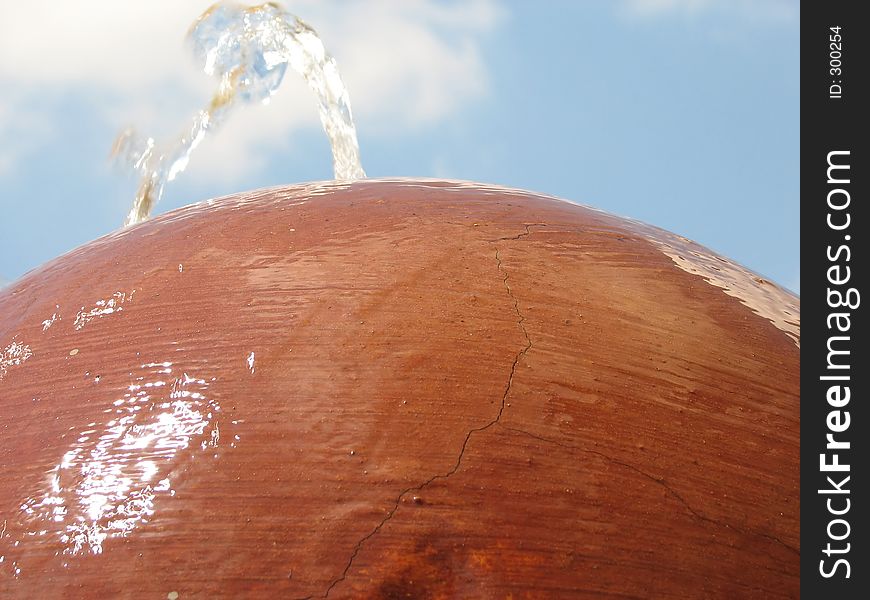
(106, 483)
(13, 355)
(54, 318)
(102, 308)
(763, 297)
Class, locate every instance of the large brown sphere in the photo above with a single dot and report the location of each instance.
(397, 389)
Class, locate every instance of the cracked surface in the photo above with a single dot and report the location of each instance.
(465, 442)
(518, 236)
(460, 391)
(657, 479)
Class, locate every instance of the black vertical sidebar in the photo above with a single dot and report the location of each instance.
(835, 433)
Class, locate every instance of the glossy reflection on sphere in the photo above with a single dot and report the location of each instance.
(397, 389)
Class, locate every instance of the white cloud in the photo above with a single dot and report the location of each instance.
(22, 131)
(406, 64)
(750, 10)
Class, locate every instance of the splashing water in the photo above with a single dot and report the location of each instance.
(248, 49)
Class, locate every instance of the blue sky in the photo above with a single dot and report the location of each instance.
(680, 113)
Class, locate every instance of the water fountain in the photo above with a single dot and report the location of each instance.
(389, 388)
(248, 50)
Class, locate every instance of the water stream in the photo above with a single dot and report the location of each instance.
(248, 49)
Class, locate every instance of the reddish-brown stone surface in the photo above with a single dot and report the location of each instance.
(392, 390)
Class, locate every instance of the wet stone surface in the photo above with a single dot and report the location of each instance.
(395, 389)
